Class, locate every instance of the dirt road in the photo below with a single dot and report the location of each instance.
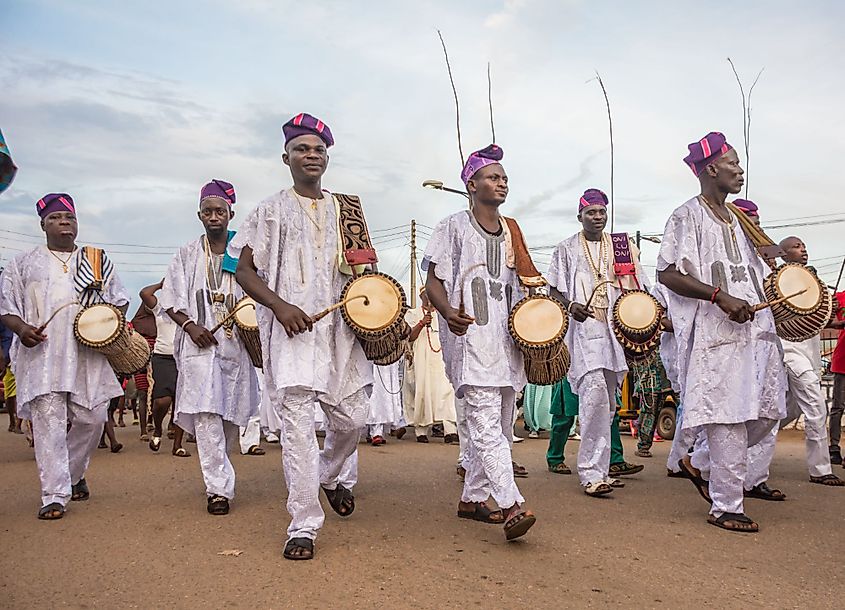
(145, 539)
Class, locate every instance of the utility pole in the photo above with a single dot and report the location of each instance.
(638, 240)
(413, 263)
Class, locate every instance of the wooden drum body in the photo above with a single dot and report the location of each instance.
(803, 316)
(538, 325)
(103, 328)
(636, 323)
(246, 321)
(378, 321)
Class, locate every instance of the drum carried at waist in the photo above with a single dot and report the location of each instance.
(636, 323)
(246, 321)
(800, 302)
(538, 326)
(103, 328)
(374, 307)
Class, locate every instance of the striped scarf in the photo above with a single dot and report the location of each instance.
(93, 271)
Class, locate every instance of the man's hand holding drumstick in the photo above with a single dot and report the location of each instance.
(456, 319)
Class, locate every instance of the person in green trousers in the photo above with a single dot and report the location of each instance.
(564, 410)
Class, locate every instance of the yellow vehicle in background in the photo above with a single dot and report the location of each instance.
(667, 411)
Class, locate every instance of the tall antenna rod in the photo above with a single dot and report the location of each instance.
(746, 119)
(610, 124)
(455, 92)
(490, 101)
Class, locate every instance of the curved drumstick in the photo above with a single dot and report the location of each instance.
(595, 289)
(328, 310)
(50, 319)
(762, 306)
(231, 315)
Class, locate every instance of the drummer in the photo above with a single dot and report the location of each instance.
(217, 387)
(482, 362)
(290, 259)
(581, 267)
(58, 381)
(804, 393)
(729, 367)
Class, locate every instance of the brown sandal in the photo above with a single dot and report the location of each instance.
(734, 522)
(519, 524)
(481, 512)
(831, 480)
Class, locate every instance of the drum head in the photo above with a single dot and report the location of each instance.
(98, 324)
(245, 315)
(793, 278)
(636, 310)
(538, 321)
(384, 302)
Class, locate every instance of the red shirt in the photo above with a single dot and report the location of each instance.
(837, 361)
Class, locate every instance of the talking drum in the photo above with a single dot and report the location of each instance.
(374, 307)
(103, 327)
(636, 323)
(802, 316)
(538, 325)
(246, 321)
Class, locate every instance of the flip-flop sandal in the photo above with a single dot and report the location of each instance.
(675, 475)
(831, 480)
(520, 523)
(422, 438)
(643, 453)
(218, 505)
(561, 468)
(701, 485)
(181, 452)
(764, 492)
(725, 520)
(255, 450)
(482, 513)
(341, 500)
(144, 438)
(519, 471)
(155, 443)
(298, 543)
(48, 513)
(116, 448)
(615, 483)
(598, 489)
(80, 492)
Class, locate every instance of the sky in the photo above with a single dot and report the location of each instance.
(131, 107)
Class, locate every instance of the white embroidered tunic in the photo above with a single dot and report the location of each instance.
(729, 372)
(34, 286)
(219, 379)
(591, 343)
(295, 252)
(471, 263)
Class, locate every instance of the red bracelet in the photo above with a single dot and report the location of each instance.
(715, 292)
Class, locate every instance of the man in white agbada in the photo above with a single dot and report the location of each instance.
(59, 381)
(473, 289)
(729, 358)
(804, 396)
(217, 388)
(582, 265)
(385, 409)
(429, 396)
(290, 260)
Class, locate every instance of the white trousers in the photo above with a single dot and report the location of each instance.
(722, 456)
(306, 467)
(463, 432)
(596, 406)
(804, 395)
(250, 435)
(215, 438)
(63, 455)
(684, 439)
(348, 476)
(488, 454)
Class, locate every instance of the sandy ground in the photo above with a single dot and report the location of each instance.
(145, 540)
